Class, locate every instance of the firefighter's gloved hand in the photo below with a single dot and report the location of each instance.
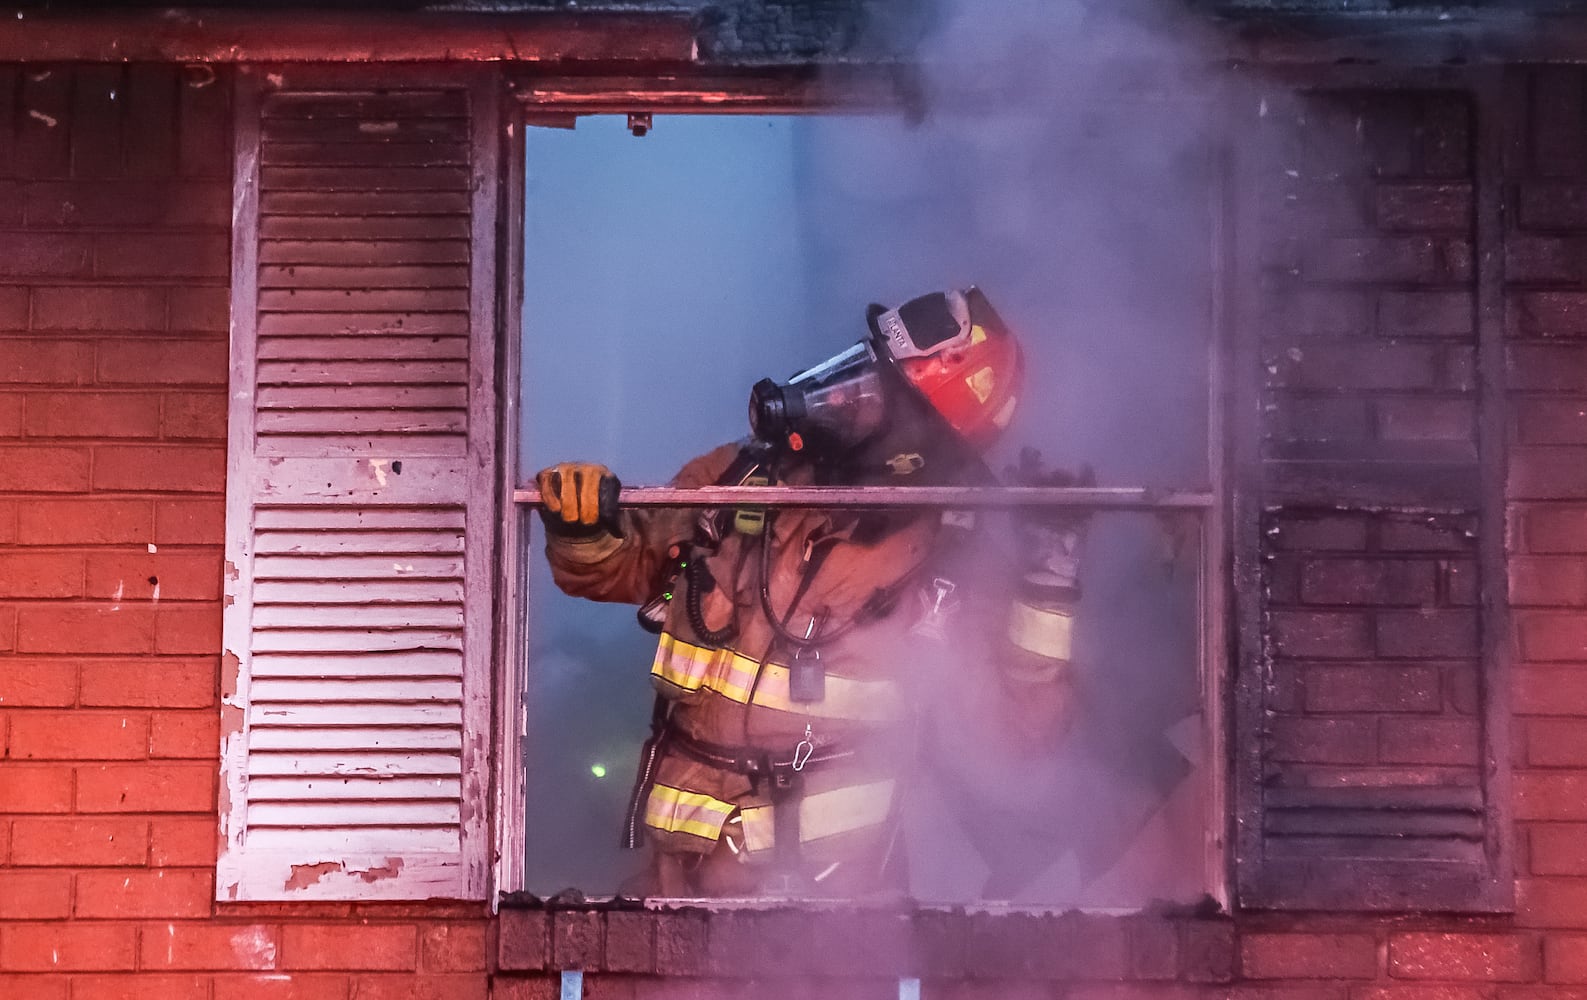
(578, 499)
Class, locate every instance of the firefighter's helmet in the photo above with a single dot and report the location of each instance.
(957, 353)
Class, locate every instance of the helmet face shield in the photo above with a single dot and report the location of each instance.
(836, 405)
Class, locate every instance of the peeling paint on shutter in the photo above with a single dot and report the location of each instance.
(361, 492)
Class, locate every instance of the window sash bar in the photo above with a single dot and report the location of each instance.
(1086, 498)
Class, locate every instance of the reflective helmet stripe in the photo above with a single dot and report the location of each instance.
(1044, 631)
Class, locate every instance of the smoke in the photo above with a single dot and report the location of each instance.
(1066, 163)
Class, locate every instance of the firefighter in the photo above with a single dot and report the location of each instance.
(800, 651)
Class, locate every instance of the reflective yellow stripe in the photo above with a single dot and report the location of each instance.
(824, 814)
(1044, 631)
(678, 811)
(732, 675)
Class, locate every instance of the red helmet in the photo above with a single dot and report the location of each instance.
(957, 353)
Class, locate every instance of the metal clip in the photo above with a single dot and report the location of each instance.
(945, 589)
(803, 751)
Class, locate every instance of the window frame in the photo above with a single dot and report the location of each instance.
(557, 101)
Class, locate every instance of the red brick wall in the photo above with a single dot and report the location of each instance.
(114, 209)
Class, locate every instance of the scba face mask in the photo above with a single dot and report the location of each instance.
(948, 350)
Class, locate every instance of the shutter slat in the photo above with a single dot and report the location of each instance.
(263, 714)
(278, 425)
(382, 841)
(362, 151)
(363, 300)
(400, 663)
(370, 540)
(364, 253)
(317, 132)
(353, 641)
(345, 814)
(300, 739)
(321, 689)
(372, 616)
(382, 372)
(336, 203)
(368, 227)
(371, 107)
(358, 518)
(363, 790)
(351, 347)
(304, 324)
(373, 565)
(319, 180)
(370, 397)
(264, 763)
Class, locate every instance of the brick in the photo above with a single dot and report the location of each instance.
(209, 946)
(1433, 534)
(523, 941)
(8, 521)
(83, 521)
(1562, 530)
(109, 203)
(80, 841)
(201, 309)
(112, 788)
(1550, 690)
(1207, 951)
(1327, 533)
(34, 469)
(1427, 634)
(85, 629)
(89, 308)
(1426, 419)
(1546, 368)
(93, 415)
(79, 735)
(1309, 312)
(40, 575)
(1308, 956)
(349, 946)
(1319, 418)
(1099, 946)
(190, 522)
(35, 895)
(681, 941)
(155, 683)
(162, 362)
(8, 629)
(1550, 421)
(175, 468)
(1367, 581)
(160, 575)
(1317, 740)
(193, 735)
(457, 986)
(33, 987)
(1153, 948)
(1550, 795)
(35, 788)
(299, 986)
(1555, 472)
(1377, 687)
(1451, 742)
(1546, 635)
(576, 939)
(1441, 991)
(630, 942)
(28, 683)
(1547, 581)
(196, 415)
(1321, 634)
(1557, 848)
(188, 630)
(1424, 207)
(1014, 946)
(1544, 258)
(55, 255)
(10, 415)
(1371, 367)
(162, 255)
(13, 309)
(180, 841)
(1370, 259)
(163, 986)
(1556, 742)
(67, 947)
(1552, 205)
(453, 948)
(161, 893)
(1467, 957)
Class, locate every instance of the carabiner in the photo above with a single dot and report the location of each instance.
(802, 752)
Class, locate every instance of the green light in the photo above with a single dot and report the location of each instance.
(599, 770)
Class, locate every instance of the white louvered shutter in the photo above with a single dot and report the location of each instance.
(361, 497)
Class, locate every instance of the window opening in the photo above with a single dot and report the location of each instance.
(665, 275)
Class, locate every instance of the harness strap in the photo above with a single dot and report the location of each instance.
(752, 762)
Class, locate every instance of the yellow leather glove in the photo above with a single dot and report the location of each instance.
(578, 498)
